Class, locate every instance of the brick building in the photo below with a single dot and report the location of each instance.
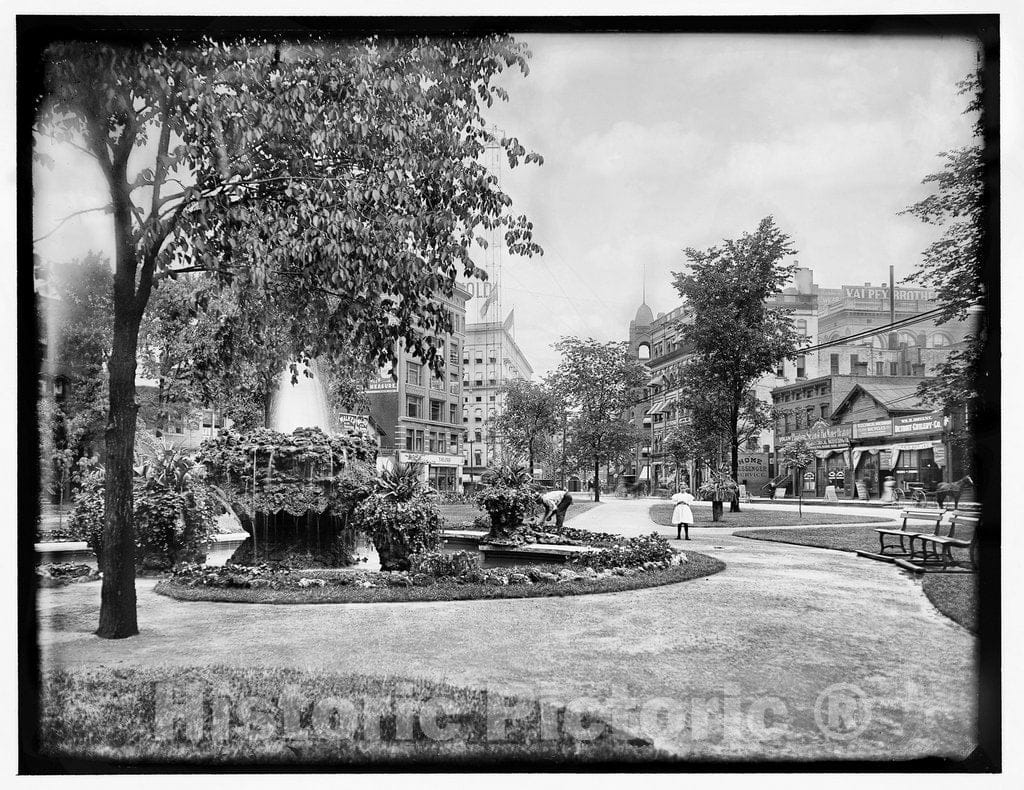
(419, 415)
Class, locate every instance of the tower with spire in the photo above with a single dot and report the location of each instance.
(641, 330)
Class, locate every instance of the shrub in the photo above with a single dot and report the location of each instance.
(174, 516)
(483, 521)
(634, 553)
(399, 529)
(509, 495)
(435, 563)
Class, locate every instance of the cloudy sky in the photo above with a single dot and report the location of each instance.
(653, 143)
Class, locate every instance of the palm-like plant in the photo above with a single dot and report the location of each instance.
(402, 482)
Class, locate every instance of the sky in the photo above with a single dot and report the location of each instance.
(655, 143)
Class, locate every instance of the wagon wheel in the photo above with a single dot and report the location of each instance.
(920, 498)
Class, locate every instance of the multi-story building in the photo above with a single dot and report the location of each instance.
(490, 359)
(420, 414)
(913, 349)
(807, 387)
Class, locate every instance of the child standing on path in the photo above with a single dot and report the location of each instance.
(682, 516)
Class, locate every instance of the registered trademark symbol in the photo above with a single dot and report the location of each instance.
(842, 711)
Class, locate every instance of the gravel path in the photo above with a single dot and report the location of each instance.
(777, 630)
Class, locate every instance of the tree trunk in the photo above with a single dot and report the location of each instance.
(597, 485)
(117, 558)
(734, 507)
(716, 510)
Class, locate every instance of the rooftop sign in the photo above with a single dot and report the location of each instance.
(902, 294)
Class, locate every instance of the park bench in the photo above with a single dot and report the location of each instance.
(937, 549)
(905, 531)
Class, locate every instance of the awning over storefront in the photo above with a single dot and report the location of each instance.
(645, 474)
(827, 453)
(657, 408)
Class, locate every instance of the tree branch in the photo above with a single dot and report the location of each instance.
(71, 216)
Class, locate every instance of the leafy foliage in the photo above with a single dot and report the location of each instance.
(402, 482)
(953, 264)
(444, 564)
(304, 471)
(344, 179)
(796, 454)
(735, 336)
(598, 383)
(399, 529)
(530, 416)
(174, 516)
(509, 493)
(634, 553)
(719, 487)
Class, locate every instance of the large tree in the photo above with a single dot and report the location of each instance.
(598, 382)
(530, 415)
(952, 265)
(344, 178)
(735, 336)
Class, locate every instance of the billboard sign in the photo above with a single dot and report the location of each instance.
(865, 430)
(918, 423)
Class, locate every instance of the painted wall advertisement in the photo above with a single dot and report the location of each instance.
(917, 423)
(823, 436)
(865, 430)
(753, 467)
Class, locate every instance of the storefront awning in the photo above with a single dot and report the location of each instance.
(645, 474)
(658, 408)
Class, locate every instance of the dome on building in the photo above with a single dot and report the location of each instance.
(644, 315)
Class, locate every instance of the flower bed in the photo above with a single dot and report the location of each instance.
(59, 574)
(644, 561)
(333, 586)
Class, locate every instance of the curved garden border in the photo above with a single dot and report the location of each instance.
(697, 566)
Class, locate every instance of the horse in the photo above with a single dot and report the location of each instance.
(942, 490)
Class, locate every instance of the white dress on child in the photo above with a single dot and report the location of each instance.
(682, 514)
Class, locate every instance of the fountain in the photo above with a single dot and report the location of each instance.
(301, 405)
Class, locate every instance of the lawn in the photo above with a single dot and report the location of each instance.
(458, 514)
(840, 538)
(275, 716)
(662, 514)
(953, 594)
(697, 566)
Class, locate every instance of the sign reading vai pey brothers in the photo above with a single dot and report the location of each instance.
(901, 294)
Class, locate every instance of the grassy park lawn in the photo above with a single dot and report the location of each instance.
(839, 538)
(458, 514)
(109, 715)
(953, 594)
(662, 514)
